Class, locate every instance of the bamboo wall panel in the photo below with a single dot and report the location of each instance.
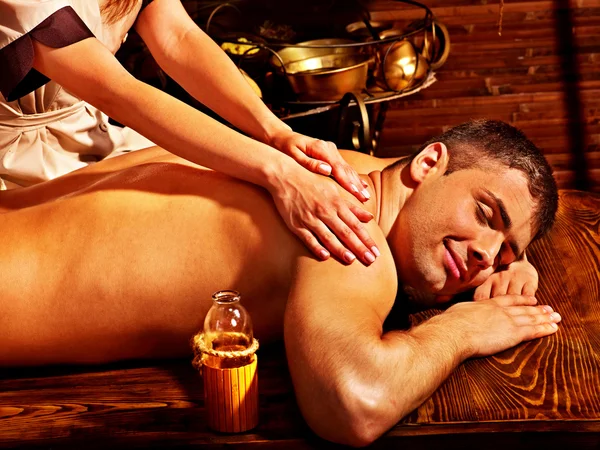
(522, 77)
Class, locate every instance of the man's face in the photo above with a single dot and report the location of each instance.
(454, 231)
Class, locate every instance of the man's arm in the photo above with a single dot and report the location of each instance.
(518, 278)
(353, 382)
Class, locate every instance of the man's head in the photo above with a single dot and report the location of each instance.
(479, 194)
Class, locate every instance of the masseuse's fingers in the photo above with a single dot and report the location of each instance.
(332, 243)
(353, 234)
(313, 208)
(347, 177)
(362, 214)
(312, 243)
(319, 154)
(321, 157)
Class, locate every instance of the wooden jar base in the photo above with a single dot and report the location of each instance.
(231, 397)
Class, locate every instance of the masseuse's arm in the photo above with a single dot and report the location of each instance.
(306, 202)
(352, 381)
(197, 63)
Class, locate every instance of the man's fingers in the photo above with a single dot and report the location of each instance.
(529, 289)
(541, 330)
(312, 243)
(514, 300)
(500, 287)
(483, 292)
(514, 288)
(529, 310)
(536, 317)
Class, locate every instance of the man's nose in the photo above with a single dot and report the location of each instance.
(484, 251)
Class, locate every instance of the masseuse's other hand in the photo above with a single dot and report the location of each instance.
(320, 157)
(493, 325)
(314, 210)
(520, 277)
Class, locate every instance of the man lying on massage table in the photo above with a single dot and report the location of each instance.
(119, 260)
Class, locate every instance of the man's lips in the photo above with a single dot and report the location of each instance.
(455, 263)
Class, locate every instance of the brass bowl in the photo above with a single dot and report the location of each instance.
(298, 53)
(328, 77)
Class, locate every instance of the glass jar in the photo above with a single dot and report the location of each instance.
(227, 327)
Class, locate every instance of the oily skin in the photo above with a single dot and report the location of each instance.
(449, 234)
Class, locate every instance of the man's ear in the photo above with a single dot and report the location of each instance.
(433, 159)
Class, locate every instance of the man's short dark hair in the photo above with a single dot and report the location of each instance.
(478, 143)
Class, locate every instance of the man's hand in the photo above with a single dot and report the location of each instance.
(519, 278)
(320, 157)
(490, 326)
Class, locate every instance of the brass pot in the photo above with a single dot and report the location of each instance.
(434, 42)
(328, 77)
(400, 66)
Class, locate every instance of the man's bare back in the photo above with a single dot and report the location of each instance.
(126, 256)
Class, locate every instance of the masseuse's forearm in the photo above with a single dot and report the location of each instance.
(89, 71)
(188, 133)
(204, 70)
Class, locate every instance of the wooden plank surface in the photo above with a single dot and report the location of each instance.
(545, 392)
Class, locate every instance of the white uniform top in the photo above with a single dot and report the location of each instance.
(45, 131)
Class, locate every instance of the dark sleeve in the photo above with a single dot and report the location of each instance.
(18, 77)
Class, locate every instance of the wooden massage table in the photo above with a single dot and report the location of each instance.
(541, 394)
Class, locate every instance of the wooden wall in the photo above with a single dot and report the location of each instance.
(542, 75)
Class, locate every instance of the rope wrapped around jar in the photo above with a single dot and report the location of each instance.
(202, 351)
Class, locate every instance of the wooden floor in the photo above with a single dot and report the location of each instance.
(542, 394)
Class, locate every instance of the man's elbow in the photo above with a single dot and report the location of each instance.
(362, 415)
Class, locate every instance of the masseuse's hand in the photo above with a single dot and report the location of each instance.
(320, 157)
(314, 210)
(519, 277)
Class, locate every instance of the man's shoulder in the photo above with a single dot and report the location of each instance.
(373, 286)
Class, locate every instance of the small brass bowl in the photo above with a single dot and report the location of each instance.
(328, 77)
